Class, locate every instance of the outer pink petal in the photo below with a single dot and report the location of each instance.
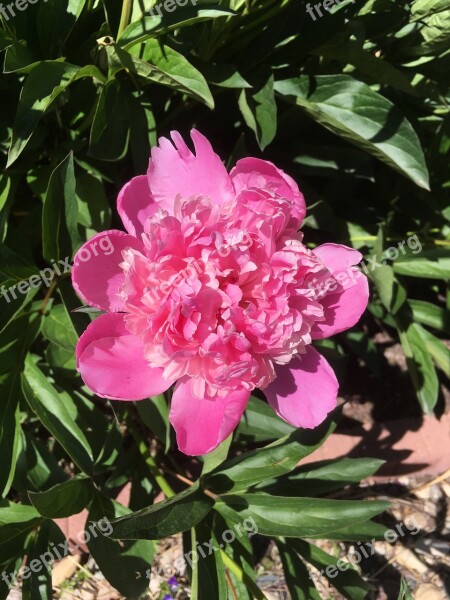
(111, 362)
(344, 307)
(282, 183)
(304, 391)
(135, 204)
(96, 274)
(175, 170)
(202, 424)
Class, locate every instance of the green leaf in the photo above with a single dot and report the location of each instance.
(353, 111)
(217, 456)
(302, 517)
(434, 34)
(429, 264)
(259, 109)
(63, 500)
(55, 21)
(392, 293)
(157, 25)
(431, 315)
(60, 237)
(437, 349)
(298, 580)
(17, 521)
(42, 86)
(404, 593)
(377, 69)
(56, 413)
(16, 340)
(155, 414)
(110, 132)
(224, 75)
(166, 518)
(15, 293)
(19, 58)
(125, 564)
(322, 477)
(211, 582)
(160, 64)
(276, 459)
(342, 575)
(94, 211)
(260, 423)
(420, 366)
(37, 575)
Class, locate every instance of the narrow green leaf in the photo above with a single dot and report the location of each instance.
(260, 423)
(298, 581)
(42, 86)
(160, 64)
(431, 315)
(125, 564)
(321, 477)
(352, 110)
(60, 237)
(429, 264)
(341, 574)
(420, 366)
(158, 24)
(259, 109)
(63, 500)
(166, 518)
(301, 517)
(276, 459)
(57, 414)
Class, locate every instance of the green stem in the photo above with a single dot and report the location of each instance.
(125, 17)
(149, 460)
(242, 576)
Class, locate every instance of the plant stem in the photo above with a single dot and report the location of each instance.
(242, 576)
(125, 17)
(149, 460)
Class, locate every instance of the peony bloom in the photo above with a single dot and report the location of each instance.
(212, 288)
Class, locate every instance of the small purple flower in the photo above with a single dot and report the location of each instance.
(173, 584)
(168, 597)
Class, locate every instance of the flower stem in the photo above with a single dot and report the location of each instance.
(125, 16)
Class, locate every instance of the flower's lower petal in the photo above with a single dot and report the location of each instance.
(96, 274)
(175, 171)
(111, 362)
(135, 204)
(343, 307)
(245, 176)
(304, 391)
(201, 424)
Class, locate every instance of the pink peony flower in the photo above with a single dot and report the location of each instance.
(213, 288)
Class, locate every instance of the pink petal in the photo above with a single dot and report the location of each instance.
(96, 274)
(343, 307)
(174, 170)
(111, 362)
(304, 391)
(135, 204)
(201, 424)
(244, 175)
